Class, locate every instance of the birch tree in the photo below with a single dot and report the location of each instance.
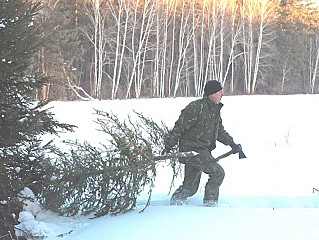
(167, 20)
(141, 25)
(216, 33)
(266, 8)
(314, 62)
(156, 62)
(184, 39)
(195, 58)
(172, 48)
(254, 13)
(96, 34)
(118, 11)
(201, 24)
(235, 28)
(248, 45)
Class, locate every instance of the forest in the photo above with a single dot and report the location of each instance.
(107, 49)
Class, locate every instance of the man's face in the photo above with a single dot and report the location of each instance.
(216, 97)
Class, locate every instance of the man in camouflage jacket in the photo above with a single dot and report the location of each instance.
(197, 129)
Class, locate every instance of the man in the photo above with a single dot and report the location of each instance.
(197, 129)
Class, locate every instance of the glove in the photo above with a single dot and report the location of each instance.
(235, 147)
(165, 151)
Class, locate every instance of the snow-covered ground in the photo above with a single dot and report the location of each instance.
(268, 195)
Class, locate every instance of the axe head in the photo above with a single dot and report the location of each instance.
(241, 154)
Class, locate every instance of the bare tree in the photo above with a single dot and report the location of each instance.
(235, 28)
(202, 23)
(96, 34)
(254, 13)
(285, 71)
(141, 26)
(118, 13)
(216, 32)
(156, 62)
(166, 20)
(172, 47)
(184, 39)
(314, 62)
(213, 59)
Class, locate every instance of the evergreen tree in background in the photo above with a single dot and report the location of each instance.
(22, 154)
(62, 52)
(294, 25)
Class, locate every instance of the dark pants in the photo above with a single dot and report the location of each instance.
(204, 162)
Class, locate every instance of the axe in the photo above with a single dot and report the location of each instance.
(176, 155)
(193, 153)
(241, 154)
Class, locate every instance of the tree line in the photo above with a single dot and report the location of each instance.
(107, 49)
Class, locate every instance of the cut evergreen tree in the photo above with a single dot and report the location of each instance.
(22, 122)
(107, 179)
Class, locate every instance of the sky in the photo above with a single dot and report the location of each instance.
(268, 195)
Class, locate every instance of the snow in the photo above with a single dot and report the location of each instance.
(268, 195)
(26, 218)
(29, 202)
(30, 225)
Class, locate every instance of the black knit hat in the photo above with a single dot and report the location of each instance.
(211, 87)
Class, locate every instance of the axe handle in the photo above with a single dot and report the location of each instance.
(224, 155)
(241, 154)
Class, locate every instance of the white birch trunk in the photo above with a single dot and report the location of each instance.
(171, 69)
(123, 46)
(316, 66)
(184, 40)
(164, 51)
(265, 8)
(253, 45)
(96, 50)
(195, 59)
(155, 86)
(138, 59)
(234, 34)
(132, 75)
(98, 40)
(201, 57)
(149, 13)
(118, 20)
(222, 40)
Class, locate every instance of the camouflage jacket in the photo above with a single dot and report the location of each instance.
(198, 127)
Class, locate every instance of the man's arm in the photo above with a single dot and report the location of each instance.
(186, 120)
(223, 136)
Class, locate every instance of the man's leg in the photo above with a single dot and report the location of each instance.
(189, 186)
(216, 176)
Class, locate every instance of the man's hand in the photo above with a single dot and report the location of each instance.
(235, 147)
(165, 151)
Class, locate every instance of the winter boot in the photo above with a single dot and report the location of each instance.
(176, 201)
(210, 203)
(179, 197)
